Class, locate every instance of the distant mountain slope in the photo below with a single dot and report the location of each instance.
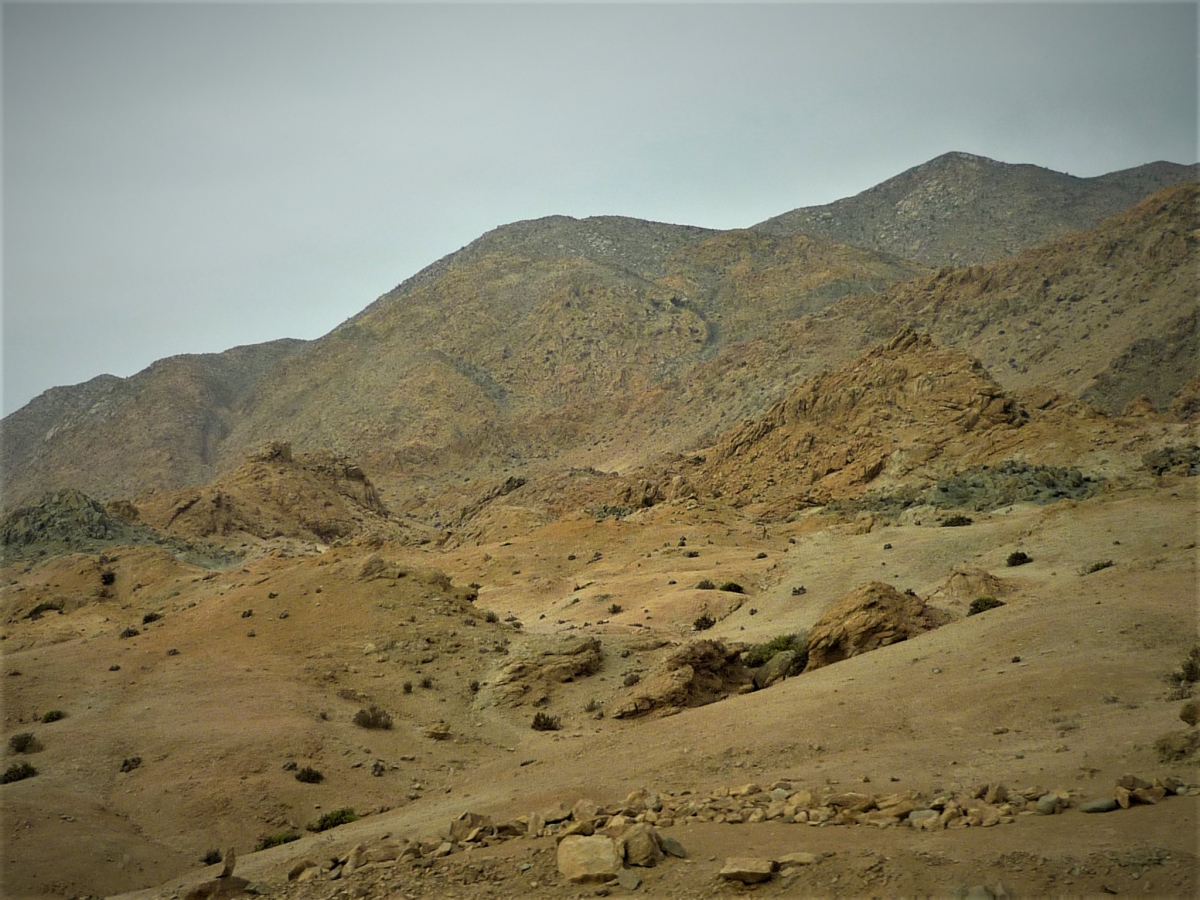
(961, 209)
(113, 436)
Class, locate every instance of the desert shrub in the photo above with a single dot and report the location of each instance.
(691, 554)
(211, 857)
(1018, 558)
(544, 722)
(17, 772)
(53, 716)
(108, 577)
(491, 617)
(267, 841)
(760, 654)
(761, 556)
(474, 686)
(427, 683)
(151, 617)
(982, 604)
(131, 763)
(333, 819)
(631, 679)
(1096, 566)
(705, 585)
(407, 688)
(23, 742)
(957, 521)
(374, 717)
(129, 632)
(1188, 672)
(615, 608)
(44, 607)
(309, 775)
(703, 622)
(1177, 745)
(733, 587)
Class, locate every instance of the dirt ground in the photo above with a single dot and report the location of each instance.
(1061, 688)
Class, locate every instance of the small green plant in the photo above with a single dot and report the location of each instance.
(23, 742)
(267, 841)
(957, 521)
(761, 654)
(544, 722)
(732, 587)
(983, 604)
(342, 816)
(703, 622)
(53, 716)
(309, 775)
(17, 772)
(427, 683)
(151, 617)
(615, 609)
(212, 857)
(1096, 566)
(374, 717)
(705, 585)
(1018, 558)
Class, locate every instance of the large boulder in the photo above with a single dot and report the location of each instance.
(545, 661)
(694, 675)
(872, 616)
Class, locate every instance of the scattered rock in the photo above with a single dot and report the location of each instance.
(588, 859)
(1049, 804)
(799, 859)
(1190, 712)
(1101, 805)
(629, 879)
(640, 846)
(748, 870)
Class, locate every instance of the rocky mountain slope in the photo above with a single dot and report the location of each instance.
(960, 209)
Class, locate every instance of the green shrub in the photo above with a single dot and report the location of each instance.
(615, 609)
(266, 842)
(23, 742)
(956, 521)
(17, 772)
(53, 716)
(309, 775)
(706, 585)
(342, 816)
(1188, 672)
(703, 622)
(760, 654)
(733, 587)
(982, 604)
(1096, 566)
(543, 722)
(1018, 558)
(491, 617)
(372, 718)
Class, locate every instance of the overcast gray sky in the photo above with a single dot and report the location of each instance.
(187, 178)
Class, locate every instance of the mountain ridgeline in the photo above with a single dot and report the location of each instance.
(603, 342)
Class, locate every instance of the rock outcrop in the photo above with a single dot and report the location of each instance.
(694, 675)
(872, 616)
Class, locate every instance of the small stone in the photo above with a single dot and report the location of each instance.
(799, 859)
(229, 858)
(1190, 712)
(1048, 804)
(748, 870)
(641, 847)
(588, 859)
(672, 847)
(438, 732)
(629, 879)
(296, 871)
(1121, 795)
(1102, 805)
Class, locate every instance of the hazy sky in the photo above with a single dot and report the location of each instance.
(186, 178)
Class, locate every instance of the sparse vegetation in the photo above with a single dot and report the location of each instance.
(544, 722)
(309, 775)
(372, 717)
(267, 841)
(131, 763)
(108, 577)
(129, 632)
(427, 683)
(760, 654)
(44, 607)
(1018, 558)
(212, 857)
(1185, 676)
(631, 679)
(732, 587)
(333, 819)
(703, 622)
(23, 742)
(705, 585)
(53, 715)
(691, 554)
(17, 772)
(1096, 566)
(761, 555)
(983, 604)
(151, 617)
(491, 617)
(615, 608)
(956, 521)
(407, 687)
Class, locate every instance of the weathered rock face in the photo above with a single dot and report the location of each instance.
(544, 662)
(640, 846)
(584, 859)
(694, 675)
(777, 668)
(872, 616)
